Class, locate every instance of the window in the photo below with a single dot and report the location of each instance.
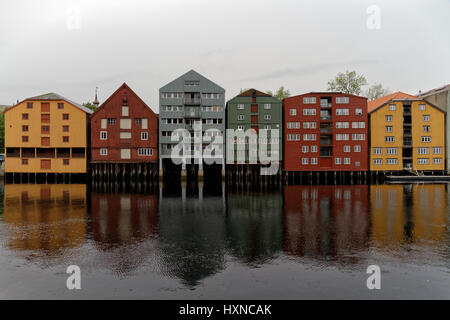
(426, 139)
(293, 137)
(125, 153)
(138, 121)
(24, 138)
(342, 125)
(103, 135)
(125, 135)
(342, 112)
(388, 118)
(45, 129)
(423, 150)
(240, 127)
(60, 105)
(347, 148)
(144, 135)
(103, 152)
(65, 139)
(240, 107)
(426, 128)
(145, 152)
(112, 121)
(342, 100)
(357, 148)
(304, 161)
(66, 162)
(29, 105)
(309, 100)
(342, 137)
(292, 112)
(388, 128)
(358, 136)
(24, 116)
(423, 161)
(377, 161)
(45, 118)
(309, 112)
(124, 111)
(347, 161)
(293, 125)
(426, 118)
(358, 125)
(392, 107)
(377, 150)
(313, 149)
(309, 125)
(391, 150)
(24, 128)
(309, 137)
(437, 150)
(337, 161)
(65, 116)
(65, 128)
(314, 161)
(358, 111)
(422, 107)
(267, 117)
(388, 139)
(305, 149)
(241, 117)
(25, 162)
(391, 161)
(267, 106)
(45, 141)
(437, 160)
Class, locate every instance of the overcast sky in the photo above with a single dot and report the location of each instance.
(70, 47)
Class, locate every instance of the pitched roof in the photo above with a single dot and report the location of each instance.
(374, 104)
(253, 92)
(435, 91)
(54, 96)
(178, 85)
(123, 86)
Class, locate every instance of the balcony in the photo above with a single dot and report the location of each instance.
(192, 101)
(326, 151)
(407, 141)
(325, 117)
(192, 113)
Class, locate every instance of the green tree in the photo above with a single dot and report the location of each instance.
(376, 91)
(280, 94)
(89, 105)
(349, 82)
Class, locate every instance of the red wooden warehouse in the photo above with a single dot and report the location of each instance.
(124, 130)
(325, 131)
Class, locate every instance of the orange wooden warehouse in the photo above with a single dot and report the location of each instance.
(46, 134)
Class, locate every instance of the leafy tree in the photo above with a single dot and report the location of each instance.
(280, 94)
(349, 82)
(89, 105)
(376, 91)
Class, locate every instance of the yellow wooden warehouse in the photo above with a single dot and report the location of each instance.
(46, 134)
(406, 134)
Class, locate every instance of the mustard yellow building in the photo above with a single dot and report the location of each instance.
(46, 134)
(406, 133)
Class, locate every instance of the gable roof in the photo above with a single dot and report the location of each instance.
(123, 86)
(374, 104)
(178, 85)
(54, 97)
(253, 92)
(434, 91)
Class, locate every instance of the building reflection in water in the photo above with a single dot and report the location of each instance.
(45, 218)
(254, 224)
(325, 221)
(192, 231)
(408, 214)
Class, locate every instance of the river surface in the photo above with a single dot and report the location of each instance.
(208, 242)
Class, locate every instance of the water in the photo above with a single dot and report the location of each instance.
(205, 242)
